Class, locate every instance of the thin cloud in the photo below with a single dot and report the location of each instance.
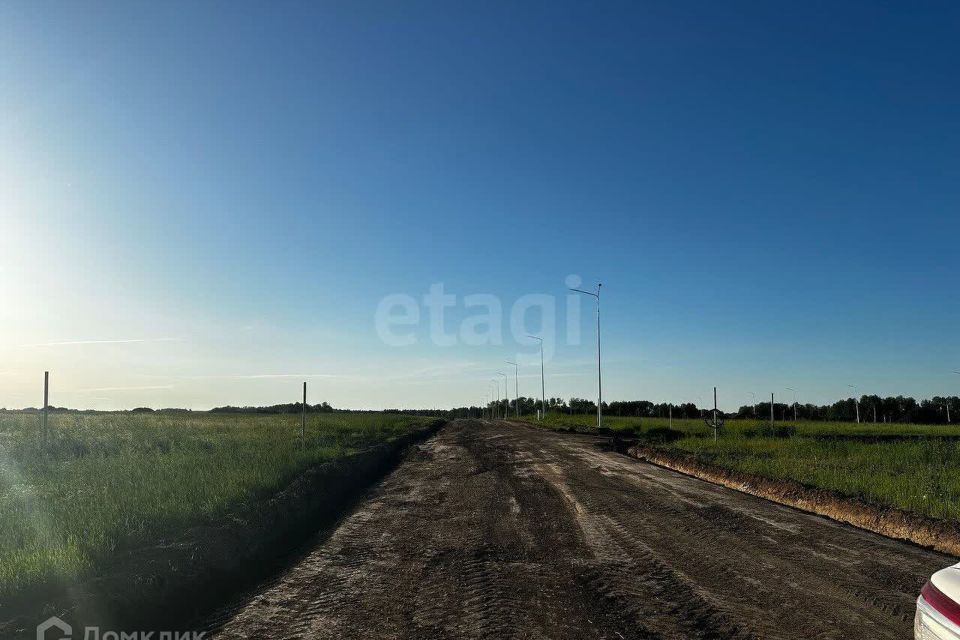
(446, 371)
(70, 343)
(572, 374)
(267, 376)
(262, 376)
(165, 387)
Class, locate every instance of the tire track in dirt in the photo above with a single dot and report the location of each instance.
(756, 563)
(498, 530)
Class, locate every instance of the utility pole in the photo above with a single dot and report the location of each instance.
(794, 403)
(948, 402)
(506, 393)
(771, 410)
(543, 393)
(715, 429)
(599, 376)
(516, 384)
(46, 402)
(497, 383)
(856, 400)
(303, 418)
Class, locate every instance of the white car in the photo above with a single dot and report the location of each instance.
(938, 607)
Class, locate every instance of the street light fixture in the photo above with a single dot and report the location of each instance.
(856, 400)
(516, 384)
(599, 376)
(543, 393)
(794, 402)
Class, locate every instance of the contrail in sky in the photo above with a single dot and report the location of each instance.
(259, 376)
(67, 343)
(97, 389)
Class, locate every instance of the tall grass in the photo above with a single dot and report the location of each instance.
(107, 481)
(918, 470)
(922, 476)
(588, 422)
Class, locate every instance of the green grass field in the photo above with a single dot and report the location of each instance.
(113, 480)
(919, 473)
(588, 422)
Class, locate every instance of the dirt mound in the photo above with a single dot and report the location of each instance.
(895, 523)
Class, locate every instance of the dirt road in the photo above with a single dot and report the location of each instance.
(497, 530)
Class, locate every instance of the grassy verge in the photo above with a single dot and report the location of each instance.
(113, 481)
(746, 428)
(919, 473)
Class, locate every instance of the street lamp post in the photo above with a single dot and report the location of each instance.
(856, 400)
(794, 403)
(496, 383)
(599, 375)
(516, 384)
(506, 393)
(754, 405)
(543, 393)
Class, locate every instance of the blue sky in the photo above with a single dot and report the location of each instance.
(204, 203)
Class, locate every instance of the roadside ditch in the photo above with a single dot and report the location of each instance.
(175, 584)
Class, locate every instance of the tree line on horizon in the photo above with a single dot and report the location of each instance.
(873, 408)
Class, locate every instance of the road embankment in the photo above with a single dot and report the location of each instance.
(894, 523)
(169, 585)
